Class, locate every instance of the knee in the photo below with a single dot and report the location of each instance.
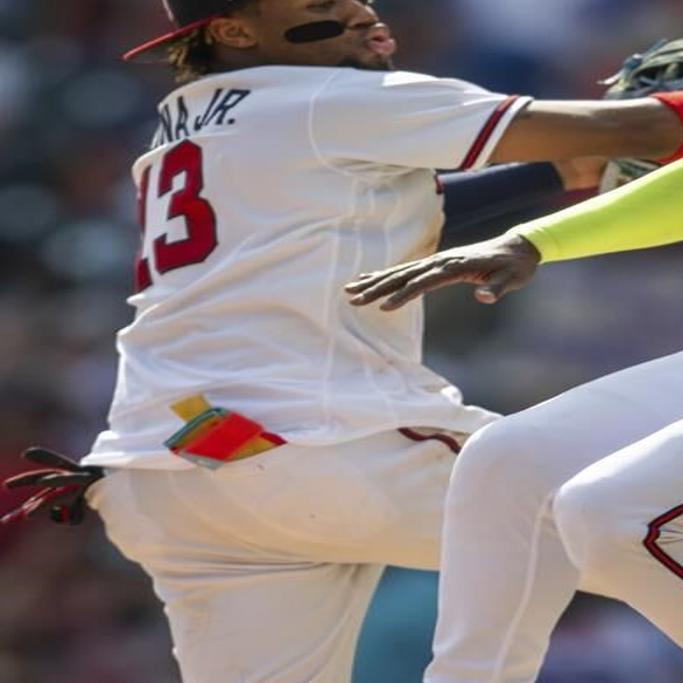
(596, 530)
(505, 456)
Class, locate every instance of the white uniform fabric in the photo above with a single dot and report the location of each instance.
(268, 189)
(584, 491)
(266, 566)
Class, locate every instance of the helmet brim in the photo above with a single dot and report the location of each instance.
(155, 49)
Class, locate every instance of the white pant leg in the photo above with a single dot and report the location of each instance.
(506, 577)
(621, 521)
(267, 565)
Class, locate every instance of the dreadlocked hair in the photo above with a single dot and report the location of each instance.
(191, 56)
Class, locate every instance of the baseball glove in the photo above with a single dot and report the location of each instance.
(658, 69)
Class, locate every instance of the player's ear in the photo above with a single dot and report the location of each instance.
(232, 32)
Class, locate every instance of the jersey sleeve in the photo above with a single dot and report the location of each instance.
(408, 119)
(645, 213)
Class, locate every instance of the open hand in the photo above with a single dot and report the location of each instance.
(495, 267)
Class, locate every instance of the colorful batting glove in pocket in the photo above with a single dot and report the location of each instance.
(213, 436)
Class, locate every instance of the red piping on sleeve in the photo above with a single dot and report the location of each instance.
(486, 132)
(650, 542)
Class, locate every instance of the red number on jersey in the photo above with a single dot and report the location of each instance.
(200, 219)
(143, 275)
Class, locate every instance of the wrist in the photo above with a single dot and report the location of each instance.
(525, 247)
(521, 246)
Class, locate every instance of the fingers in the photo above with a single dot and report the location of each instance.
(416, 287)
(401, 288)
(496, 287)
(368, 280)
(501, 283)
(43, 456)
(403, 284)
(371, 287)
(357, 285)
(495, 268)
(33, 478)
(485, 296)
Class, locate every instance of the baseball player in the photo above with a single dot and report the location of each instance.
(581, 492)
(271, 448)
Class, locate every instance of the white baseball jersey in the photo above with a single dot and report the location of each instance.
(266, 190)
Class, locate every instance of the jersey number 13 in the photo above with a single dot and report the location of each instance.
(186, 203)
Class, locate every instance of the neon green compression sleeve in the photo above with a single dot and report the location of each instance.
(645, 213)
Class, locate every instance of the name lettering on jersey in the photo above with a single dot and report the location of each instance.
(219, 107)
(177, 124)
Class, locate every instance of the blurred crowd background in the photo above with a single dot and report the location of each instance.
(72, 119)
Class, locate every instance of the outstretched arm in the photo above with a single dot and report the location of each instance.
(645, 213)
(646, 127)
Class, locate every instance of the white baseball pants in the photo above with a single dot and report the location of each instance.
(267, 565)
(584, 491)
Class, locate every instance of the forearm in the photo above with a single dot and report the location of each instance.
(646, 213)
(555, 130)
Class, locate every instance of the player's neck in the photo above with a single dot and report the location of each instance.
(230, 59)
